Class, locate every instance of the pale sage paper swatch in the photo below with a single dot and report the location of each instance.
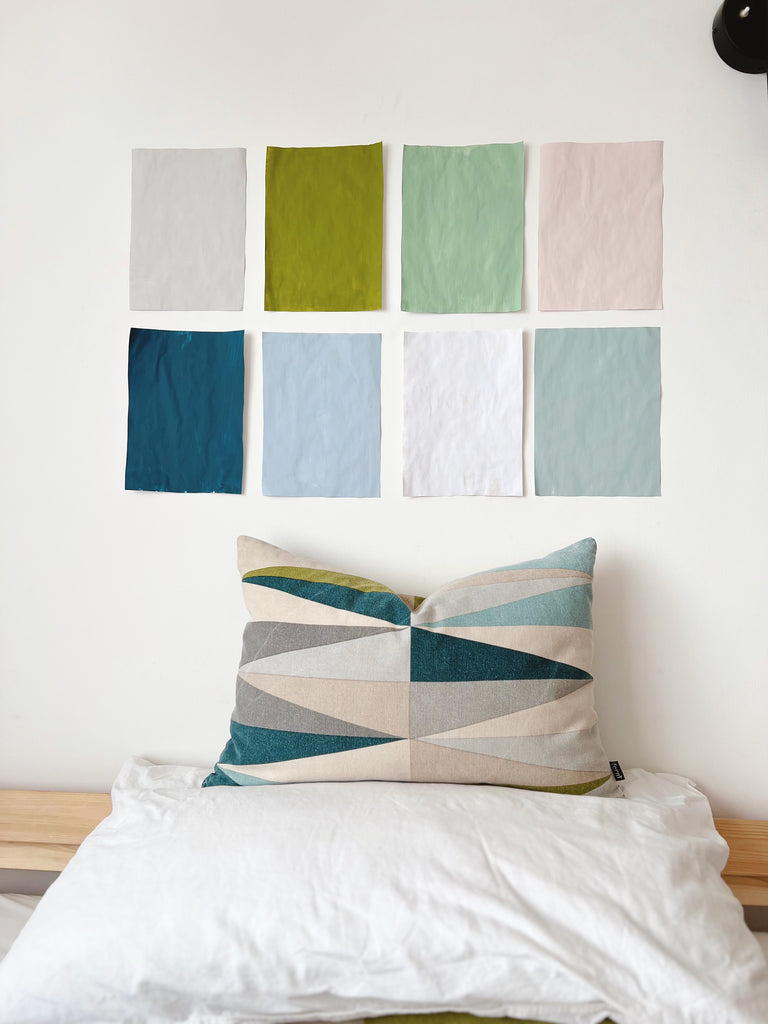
(600, 226)
(187, 229)
(462, 233)
(597, 411)
(463, 418)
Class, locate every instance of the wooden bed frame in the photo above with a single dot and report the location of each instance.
(40, 831)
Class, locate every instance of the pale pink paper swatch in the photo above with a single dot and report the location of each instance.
(600, 234)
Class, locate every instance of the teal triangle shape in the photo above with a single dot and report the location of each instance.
(376, 604)
(570, 606)
(579, 556)
(243, 779)
(250, 744)
(436, 657)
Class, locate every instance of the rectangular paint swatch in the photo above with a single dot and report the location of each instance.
(462, 235)
(597, 411)
(322, 415)
(187, 229)
(185, 411)
(324, 228)
(463, 422)
(600, 228)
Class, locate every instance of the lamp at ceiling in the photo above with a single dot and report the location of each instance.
(740, 35)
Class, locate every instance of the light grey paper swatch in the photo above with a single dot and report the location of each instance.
(597, 411)
(187, 229)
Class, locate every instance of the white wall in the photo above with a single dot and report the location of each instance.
(121, 612)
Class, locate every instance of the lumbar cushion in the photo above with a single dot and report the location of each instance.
(487, 680)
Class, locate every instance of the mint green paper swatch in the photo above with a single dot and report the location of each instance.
(462, 235)
(324, 228)
(597, 411)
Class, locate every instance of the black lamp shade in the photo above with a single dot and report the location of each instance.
(740, 35)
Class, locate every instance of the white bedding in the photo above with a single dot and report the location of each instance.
(343, 900)
(15, 911)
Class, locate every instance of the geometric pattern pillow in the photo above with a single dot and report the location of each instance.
(487, 680)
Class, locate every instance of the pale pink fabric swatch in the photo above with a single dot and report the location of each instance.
(600, 235)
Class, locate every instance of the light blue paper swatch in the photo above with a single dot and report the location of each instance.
(322, 415)
(597, 411)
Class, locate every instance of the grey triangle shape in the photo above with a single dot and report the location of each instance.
(263, 639)
(439, 707)
(256, 708)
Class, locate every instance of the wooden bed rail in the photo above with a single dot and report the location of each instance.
(40, 831)
(747, 869)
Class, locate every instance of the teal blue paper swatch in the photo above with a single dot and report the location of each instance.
(597, 411)
(185, 411)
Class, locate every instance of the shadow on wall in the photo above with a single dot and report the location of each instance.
(616, 697)
(27, 883)
(634, 705)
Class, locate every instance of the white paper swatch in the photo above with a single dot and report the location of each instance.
(463, 414)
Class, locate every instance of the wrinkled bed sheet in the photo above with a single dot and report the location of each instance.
(347, 900)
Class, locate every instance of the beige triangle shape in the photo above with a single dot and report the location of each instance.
(253, 554)
(383, 706)
(512, 575)
(572, 713)
(269, 605)
(382, 761)
(431, 763)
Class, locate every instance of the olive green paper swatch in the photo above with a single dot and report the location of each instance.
(324, 228)
(462, 238)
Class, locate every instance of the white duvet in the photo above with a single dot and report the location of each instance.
(344, 900)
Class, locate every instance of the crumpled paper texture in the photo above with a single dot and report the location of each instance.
(463, 422)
